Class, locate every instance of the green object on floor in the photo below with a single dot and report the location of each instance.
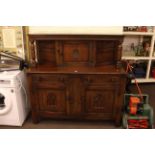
(146, 114)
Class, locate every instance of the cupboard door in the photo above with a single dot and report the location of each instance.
(51, 93)
(101, 101)
(76, 52)
(52, 100)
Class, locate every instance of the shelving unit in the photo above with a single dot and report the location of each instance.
(133, 41)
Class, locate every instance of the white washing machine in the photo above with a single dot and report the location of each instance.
(14, 100)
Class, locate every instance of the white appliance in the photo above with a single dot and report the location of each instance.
(14, 106)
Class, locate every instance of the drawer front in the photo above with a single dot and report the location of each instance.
(101, 79)
(49, 81)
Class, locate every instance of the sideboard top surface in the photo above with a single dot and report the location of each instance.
(77, 70)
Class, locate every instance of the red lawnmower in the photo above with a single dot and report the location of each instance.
(138, 114)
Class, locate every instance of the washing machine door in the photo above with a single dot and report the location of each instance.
(5, 100)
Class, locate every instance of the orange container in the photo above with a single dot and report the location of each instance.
(134, 100)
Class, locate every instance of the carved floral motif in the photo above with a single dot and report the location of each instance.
(98, 100)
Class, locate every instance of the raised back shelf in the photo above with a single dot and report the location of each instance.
(89, 50)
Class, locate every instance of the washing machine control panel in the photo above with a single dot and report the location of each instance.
(5, 83)
(9, 79)
(2, 82)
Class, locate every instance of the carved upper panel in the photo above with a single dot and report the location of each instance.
(68, 50)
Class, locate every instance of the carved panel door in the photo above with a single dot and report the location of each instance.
(101, 101)
(51, 93)
(101, 94)
(52, 100)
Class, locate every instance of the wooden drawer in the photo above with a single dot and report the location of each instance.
(101, 79)
(49, 81)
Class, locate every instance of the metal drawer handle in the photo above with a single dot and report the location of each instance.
(114, 79)
(61, 79)
(87, 81)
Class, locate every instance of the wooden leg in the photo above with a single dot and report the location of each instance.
(35, 118)
(117, 123)
(118, 120)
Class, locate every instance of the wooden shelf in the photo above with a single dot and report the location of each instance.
(139, 33)
(135, 58)
(144, 80)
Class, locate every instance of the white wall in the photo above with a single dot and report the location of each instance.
(110, 30)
